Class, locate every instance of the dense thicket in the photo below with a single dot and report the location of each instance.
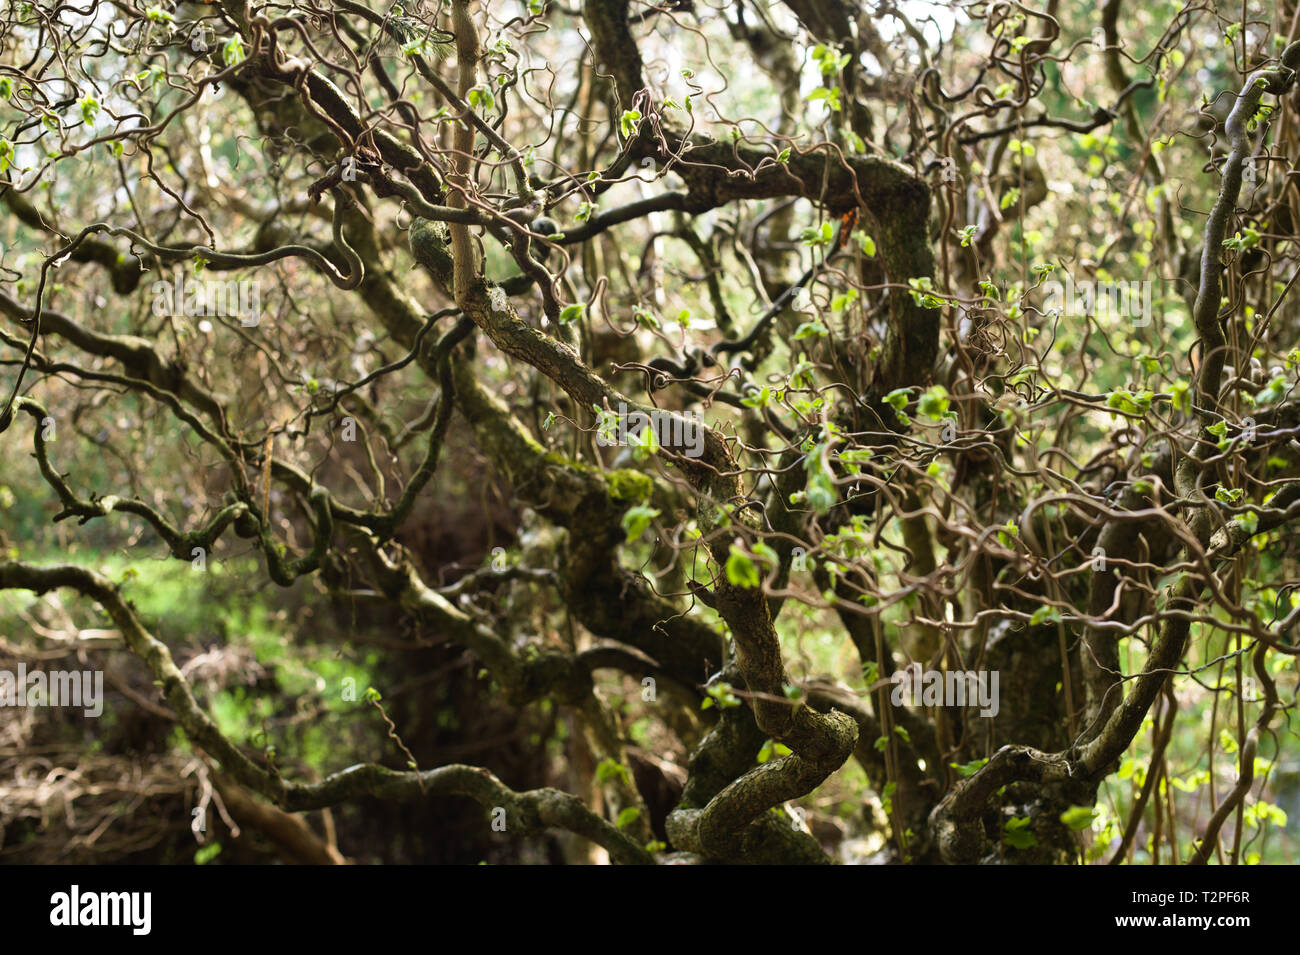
(560, 431)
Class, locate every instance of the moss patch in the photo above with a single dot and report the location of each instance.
(629, 487)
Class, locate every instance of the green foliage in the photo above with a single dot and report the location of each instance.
(636, 521)
(1017, 833)
(1078, 817)
(611, 769)
(741, 569)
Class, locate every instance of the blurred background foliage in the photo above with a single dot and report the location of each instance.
(285, 671)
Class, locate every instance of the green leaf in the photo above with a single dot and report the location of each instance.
(627, 816)
(966, 770)
(636, 521)
(821, 494)
(1273, 392)
(1078, 818)
(1017, 834)
(205, 854)
(811, 330)
(830, 96)
(232, 51)
(1045, 615)
(645, 318)
(817, 235)
(801, 376)
(933, 402)
(627, 122)
(571, 313)
(644, 445)
(1245, 239)
(610, 768)
(1120, 401)
(765, 553)
(720, 695)
(741, 570)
